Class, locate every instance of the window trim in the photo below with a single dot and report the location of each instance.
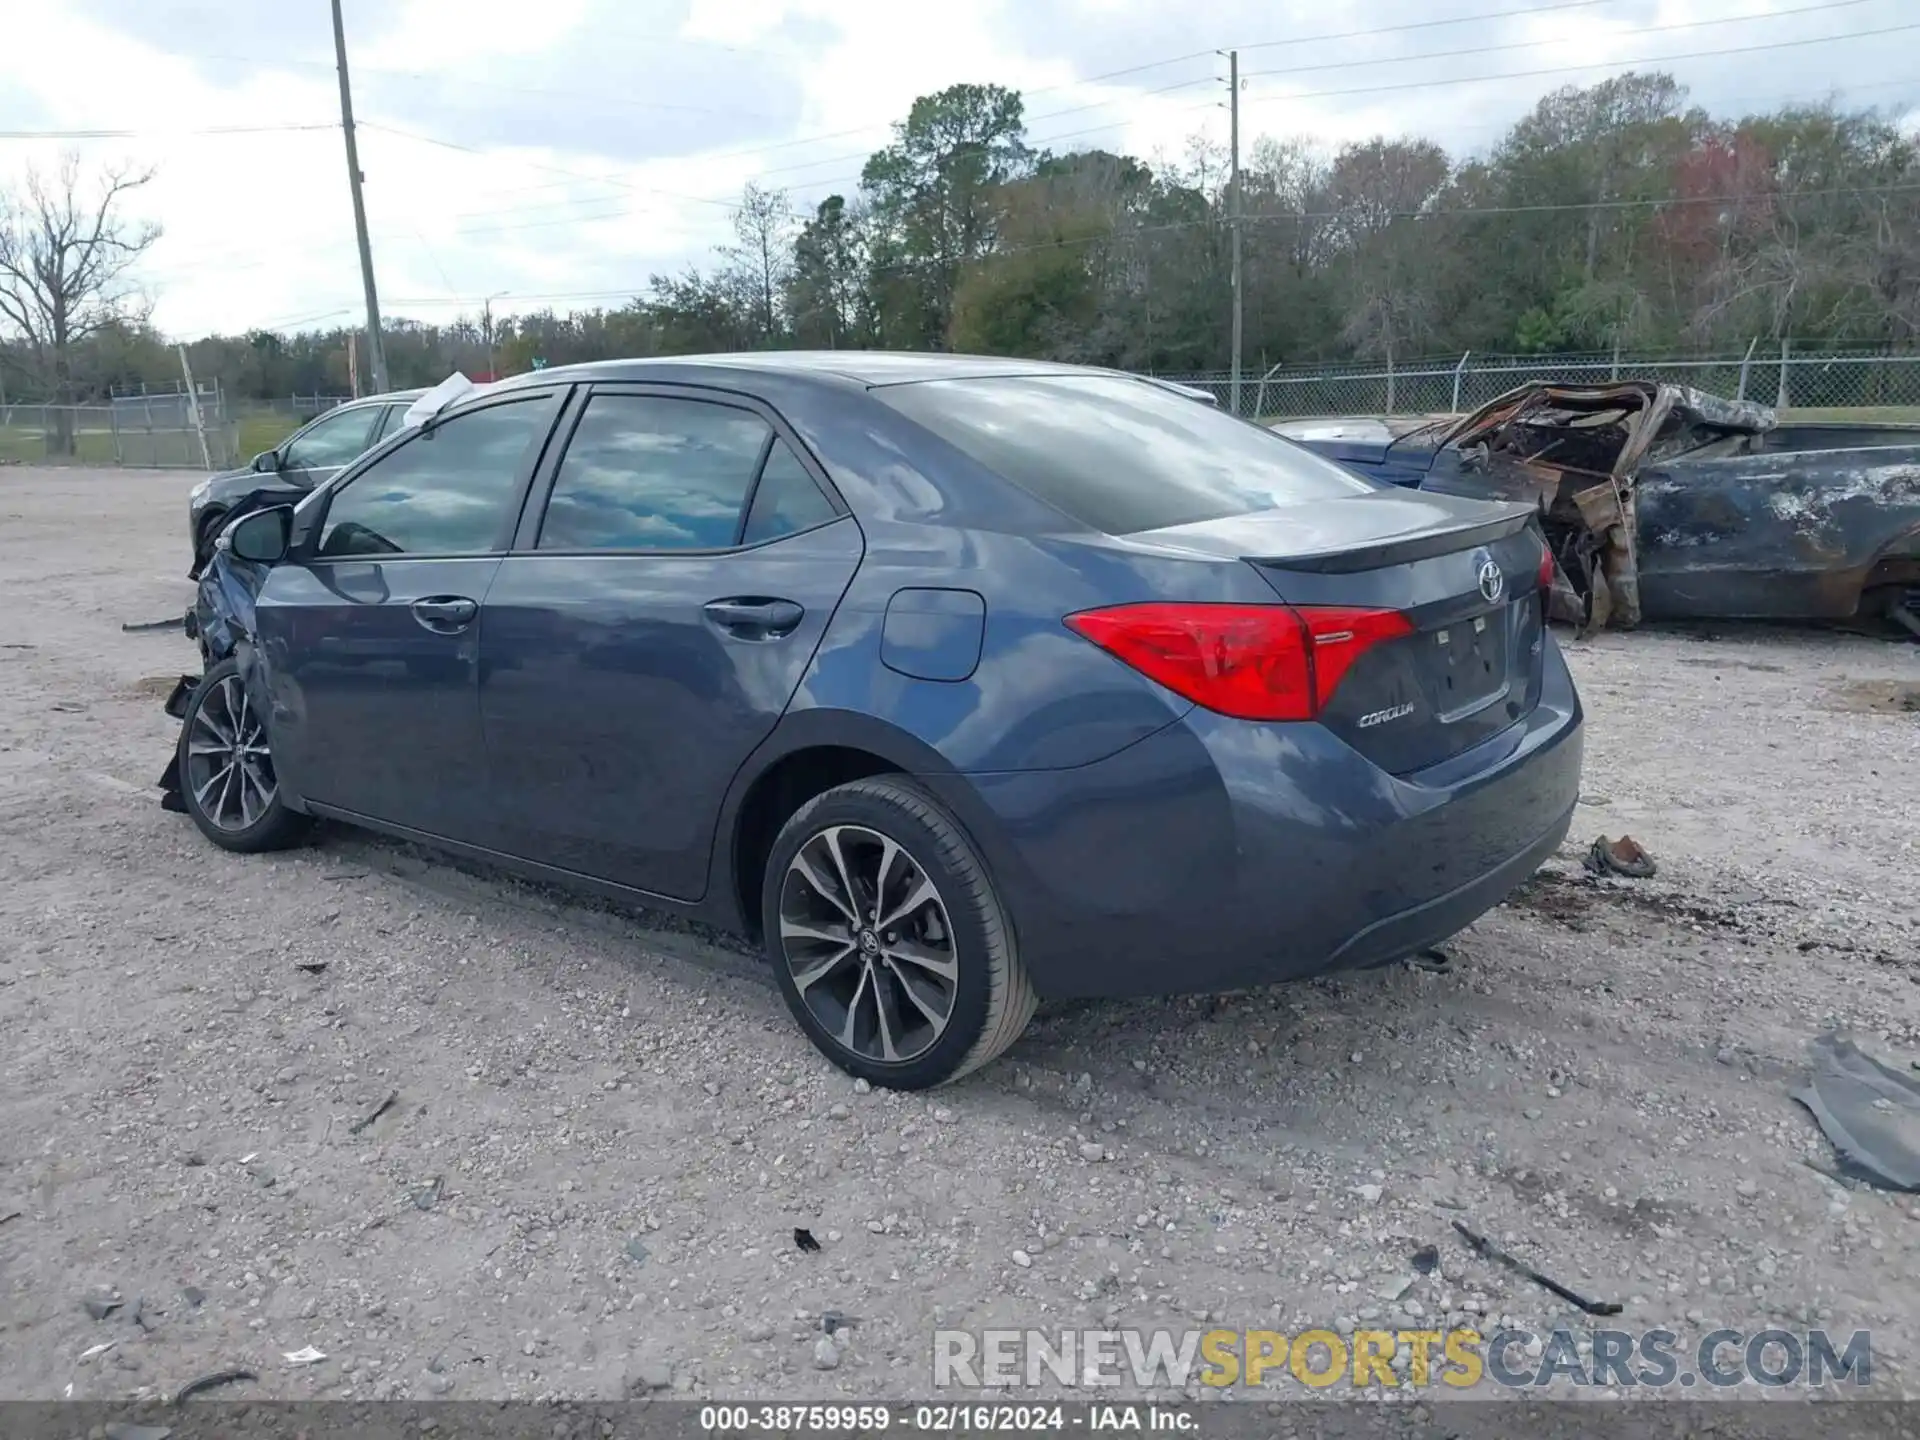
(526, 540)
(306, 550)
(286, 445)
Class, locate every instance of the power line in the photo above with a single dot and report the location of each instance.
(1590, 65)
(141, 134)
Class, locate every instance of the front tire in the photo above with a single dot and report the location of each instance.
(227, 781)
(887, 940)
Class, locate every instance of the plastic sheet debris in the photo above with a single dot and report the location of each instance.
(450, 391)
(1869, 1112)
(305, 1355)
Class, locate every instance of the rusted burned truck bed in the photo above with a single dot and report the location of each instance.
(1790, 533)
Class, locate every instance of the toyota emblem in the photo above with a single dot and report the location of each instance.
(1492, 583)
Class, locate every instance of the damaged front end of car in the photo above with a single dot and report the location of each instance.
(1575, 452)
(221, 620)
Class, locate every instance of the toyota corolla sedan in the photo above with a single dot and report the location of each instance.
(958, 683)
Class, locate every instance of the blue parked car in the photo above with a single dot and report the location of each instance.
(957, 682)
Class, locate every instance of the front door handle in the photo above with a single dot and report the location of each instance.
(445, 614)
(753, 617)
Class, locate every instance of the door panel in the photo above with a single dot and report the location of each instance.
(374, 704)
(371, 635)
(617, 707)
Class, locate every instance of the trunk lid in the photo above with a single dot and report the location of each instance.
(1464, 574)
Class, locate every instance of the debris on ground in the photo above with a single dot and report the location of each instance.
(833, 1321)
(804, 1239)
(1487, 1250)
(10, 1215)
(1625, 856)
(1426, 1259)
(100, 1306)
(179, 622)
(211, 1381)
(310, 967)
(305, 1355)
(121, 1430)
(1433, 960)
(637, 1251)
(100, 1349)
(374, 1114)
(1869, 1112)
(427, 1196)
(194, 1296)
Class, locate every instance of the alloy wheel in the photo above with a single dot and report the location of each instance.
(868, 943)
(229, 768)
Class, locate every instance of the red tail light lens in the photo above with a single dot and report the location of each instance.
(1253, 662)
(1546, 567)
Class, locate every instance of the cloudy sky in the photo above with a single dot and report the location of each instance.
(560, 153)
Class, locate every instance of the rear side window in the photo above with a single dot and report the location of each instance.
(786, 500)
(652, 472)
(331, 441)
(1119, 455)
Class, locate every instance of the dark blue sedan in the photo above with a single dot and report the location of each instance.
(960, 683)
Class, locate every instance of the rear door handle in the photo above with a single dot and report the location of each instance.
(445, 614)
(753, 617)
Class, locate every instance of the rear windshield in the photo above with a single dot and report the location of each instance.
(1119, 455)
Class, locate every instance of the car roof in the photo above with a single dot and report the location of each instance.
(861, 367)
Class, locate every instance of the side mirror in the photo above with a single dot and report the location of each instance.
(266, 462)
(261, 537)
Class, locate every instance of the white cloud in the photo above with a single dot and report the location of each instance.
(609, 140)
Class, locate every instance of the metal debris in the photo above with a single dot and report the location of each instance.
(100, 1308)
(637, 1250)
(100, 1349)
(428, 1196)
(1426, 1259)
(833, 1321)
(179, 622)
(211, 1381)
(1869, 1112)
(374, 1114)
(1625, 856)
(804, 1239)
(1487, 1250)
(310, 967)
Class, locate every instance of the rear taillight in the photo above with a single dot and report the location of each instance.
(1253, 662)
(1546, 567)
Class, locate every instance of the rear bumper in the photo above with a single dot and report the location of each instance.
(1215, 854)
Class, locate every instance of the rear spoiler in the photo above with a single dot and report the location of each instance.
(1192, 392)
(1510, 520)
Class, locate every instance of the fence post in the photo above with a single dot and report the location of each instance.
(1745, 361)
(113, 423)
(1786, 345)
(1457, 370)
(1390, 409)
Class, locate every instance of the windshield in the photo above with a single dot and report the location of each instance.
(1117, 454)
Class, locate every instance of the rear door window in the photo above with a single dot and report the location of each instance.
(1117, 454)
(331, 441)
(660, 473)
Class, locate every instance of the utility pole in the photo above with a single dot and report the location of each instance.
(1233, 203)
(376, 352)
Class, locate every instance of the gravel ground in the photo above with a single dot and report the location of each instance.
(605, 1129)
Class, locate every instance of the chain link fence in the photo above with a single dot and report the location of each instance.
(125, 431)
(1848, 383)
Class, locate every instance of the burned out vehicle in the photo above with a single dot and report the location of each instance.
(1664, 503)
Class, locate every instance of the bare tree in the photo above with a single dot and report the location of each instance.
(65, 250)
(762, 261)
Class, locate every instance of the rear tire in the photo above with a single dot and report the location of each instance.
(887, 939)
(227, 781)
